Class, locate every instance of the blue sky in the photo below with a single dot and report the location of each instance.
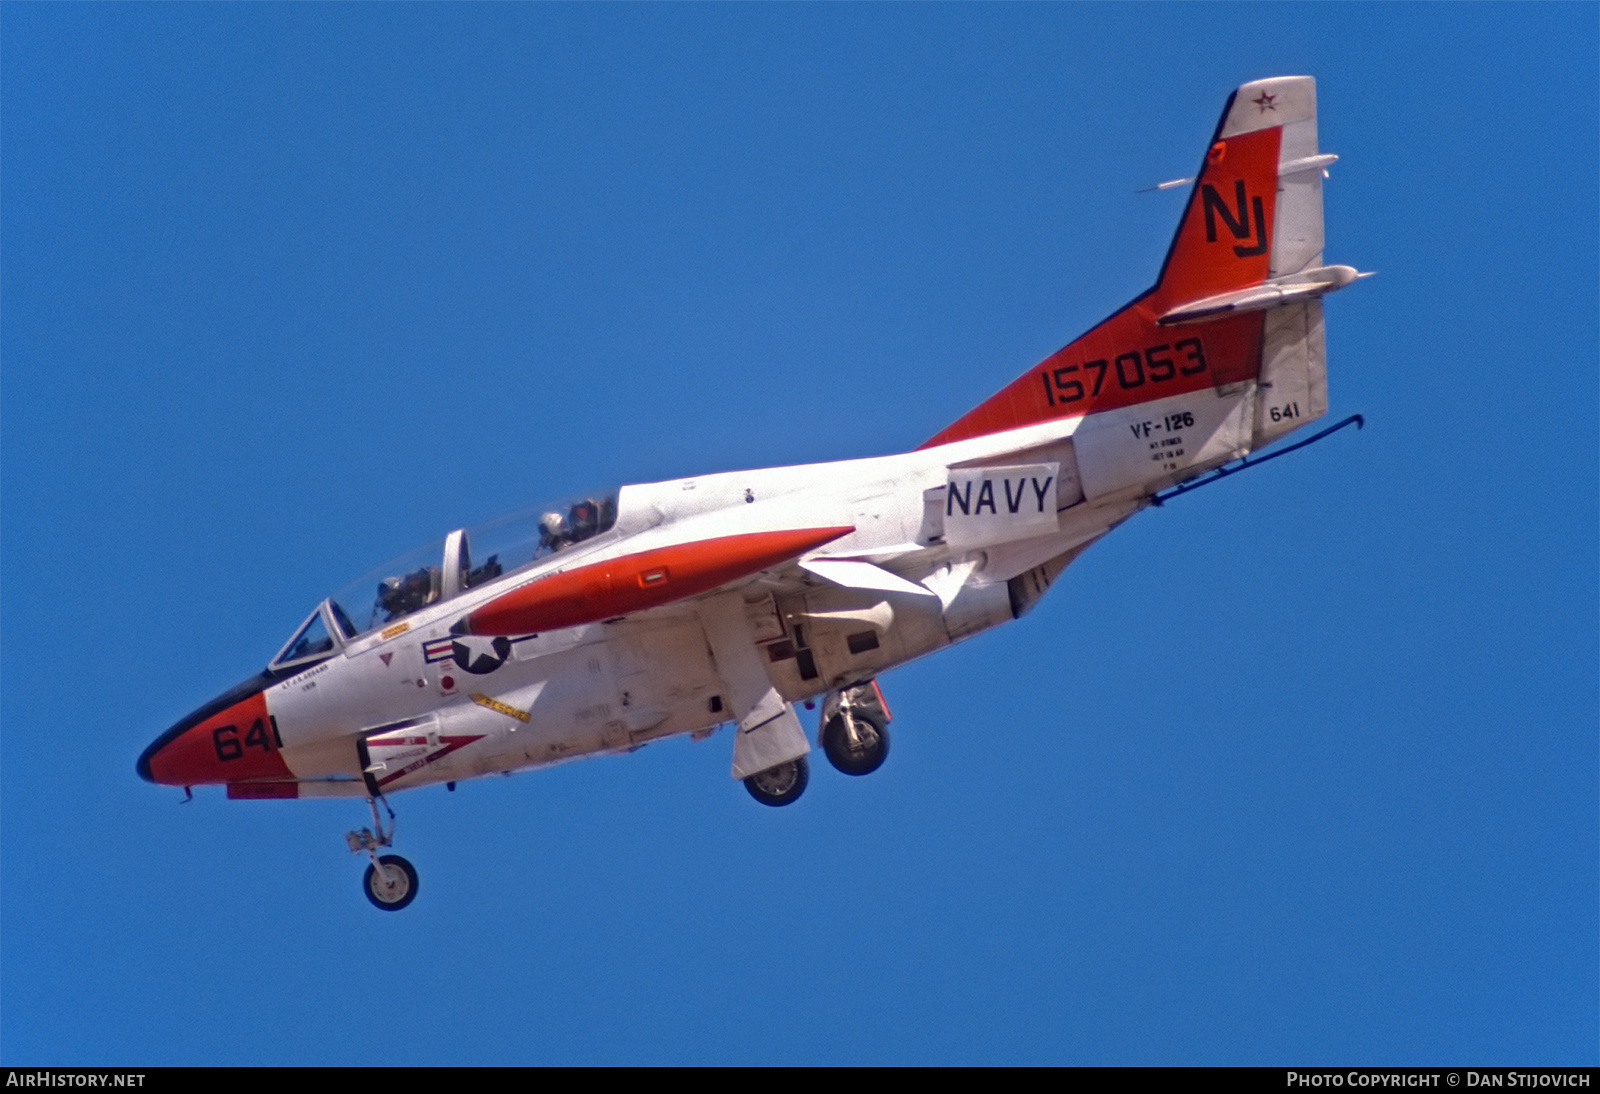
(1300, 769)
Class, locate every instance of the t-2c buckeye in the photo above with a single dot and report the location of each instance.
(625, 616)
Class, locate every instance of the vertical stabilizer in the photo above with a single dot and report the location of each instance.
(1289, 104)
(1236, 299)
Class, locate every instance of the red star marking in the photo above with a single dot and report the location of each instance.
(1265, 102)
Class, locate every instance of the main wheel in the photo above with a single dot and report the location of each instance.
(861, 757)
(395, 887)
(780, 785)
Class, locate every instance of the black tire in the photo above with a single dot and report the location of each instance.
(780, 785)
(391, 898)
(859, 761)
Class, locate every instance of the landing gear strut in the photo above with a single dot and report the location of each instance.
(855, 729)
(780, 785)
(390, 882)
(856, 742)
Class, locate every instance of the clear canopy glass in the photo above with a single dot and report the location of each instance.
(469, 557)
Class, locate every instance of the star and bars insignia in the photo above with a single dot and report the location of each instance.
(476, 654)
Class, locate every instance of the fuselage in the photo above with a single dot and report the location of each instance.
(412, 703)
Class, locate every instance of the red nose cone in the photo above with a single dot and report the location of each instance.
(237, 742)
(645, 579)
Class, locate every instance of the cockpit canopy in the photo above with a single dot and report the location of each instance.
(444, 569)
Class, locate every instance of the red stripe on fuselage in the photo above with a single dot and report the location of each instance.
(451, 744)
(647, 579)
(262, 791)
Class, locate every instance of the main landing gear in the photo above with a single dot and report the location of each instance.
(855, 738)
(855, 729)
(856, 742)
(390, 882)
(780, 785)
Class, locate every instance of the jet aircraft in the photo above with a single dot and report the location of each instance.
(625, 616)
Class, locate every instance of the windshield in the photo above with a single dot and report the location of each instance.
(467, 558)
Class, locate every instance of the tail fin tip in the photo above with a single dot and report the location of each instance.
(1263, 104)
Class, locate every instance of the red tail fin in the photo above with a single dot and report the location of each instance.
(1224, 242)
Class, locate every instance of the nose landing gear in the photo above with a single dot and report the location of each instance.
(390, 882)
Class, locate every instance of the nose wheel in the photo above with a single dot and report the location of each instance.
(390, 882)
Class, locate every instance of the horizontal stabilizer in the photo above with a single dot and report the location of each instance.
(1269, 294)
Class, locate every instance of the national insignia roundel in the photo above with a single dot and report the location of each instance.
(480, 655)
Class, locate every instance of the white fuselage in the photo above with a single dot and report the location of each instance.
(610, 686)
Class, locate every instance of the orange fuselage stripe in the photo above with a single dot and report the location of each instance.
(646, 579)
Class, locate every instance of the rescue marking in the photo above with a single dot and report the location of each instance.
(500, 708)
(398, 628)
